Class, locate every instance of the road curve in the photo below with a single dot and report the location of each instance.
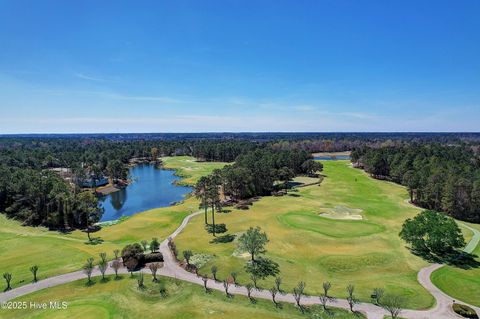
(442, 309)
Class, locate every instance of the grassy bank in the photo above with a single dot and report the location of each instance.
(462, 284)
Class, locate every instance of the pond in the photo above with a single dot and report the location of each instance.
(151, 187)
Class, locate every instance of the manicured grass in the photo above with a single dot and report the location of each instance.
(462, 284)
(189, 169)
(366, 253)
(123, 299)
(57, 253)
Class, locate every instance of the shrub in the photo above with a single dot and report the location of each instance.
(219, 228)
(464, 311)
(200, 260)
(223, 239)
(132, 256)
(153, 257)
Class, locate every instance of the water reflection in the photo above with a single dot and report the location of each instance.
(152, 187)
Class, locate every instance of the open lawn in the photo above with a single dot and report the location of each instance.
(463, 284)
(367, 253)
(122, 299)
(189, 169)
(57, 253)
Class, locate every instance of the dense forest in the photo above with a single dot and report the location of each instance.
(255, 173)
(441, 170)
(438, 176)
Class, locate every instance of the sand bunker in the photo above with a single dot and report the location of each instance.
(342, 212)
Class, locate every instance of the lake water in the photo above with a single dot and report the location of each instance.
(329, 158)
(151, 187)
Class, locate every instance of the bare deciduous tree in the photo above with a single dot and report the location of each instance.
(34, 270)
(393, 304)
(154, 268)
(205, 280)
(298, 293)
(116, 264)
(249, 287)
(325, 297)
(8, 278)
(273, 292)
(351, 299)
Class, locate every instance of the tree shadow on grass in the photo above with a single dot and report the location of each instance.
(90, 283)
(95, 241)
(459, 259)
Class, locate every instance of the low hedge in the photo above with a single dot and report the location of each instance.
(464, 311)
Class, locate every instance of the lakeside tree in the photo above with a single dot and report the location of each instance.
(253, 241)
(117, 170)
(34, 270)
(154, 153)
(431, 232)
(8, 279)
(201, 192)
(92, 213)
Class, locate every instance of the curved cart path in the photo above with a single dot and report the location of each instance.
(170, 268)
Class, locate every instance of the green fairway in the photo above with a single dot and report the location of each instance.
(367, 253)
(329, 227)
(123, 299)
(189, 169)
(57, 253)
(462, 284)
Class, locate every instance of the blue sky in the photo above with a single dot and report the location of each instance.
(201, 66)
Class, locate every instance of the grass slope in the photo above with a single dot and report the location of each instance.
(367, 253)
(189, 169)
(462, 284)
(122, 299)
(57, 253)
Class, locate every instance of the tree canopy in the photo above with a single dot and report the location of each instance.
(432, 232)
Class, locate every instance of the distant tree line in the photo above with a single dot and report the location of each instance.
(439, 177)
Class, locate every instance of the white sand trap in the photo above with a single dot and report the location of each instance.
(342, 212)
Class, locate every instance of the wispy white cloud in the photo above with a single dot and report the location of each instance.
(88, 77)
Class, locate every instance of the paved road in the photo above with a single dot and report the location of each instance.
(442, 309)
